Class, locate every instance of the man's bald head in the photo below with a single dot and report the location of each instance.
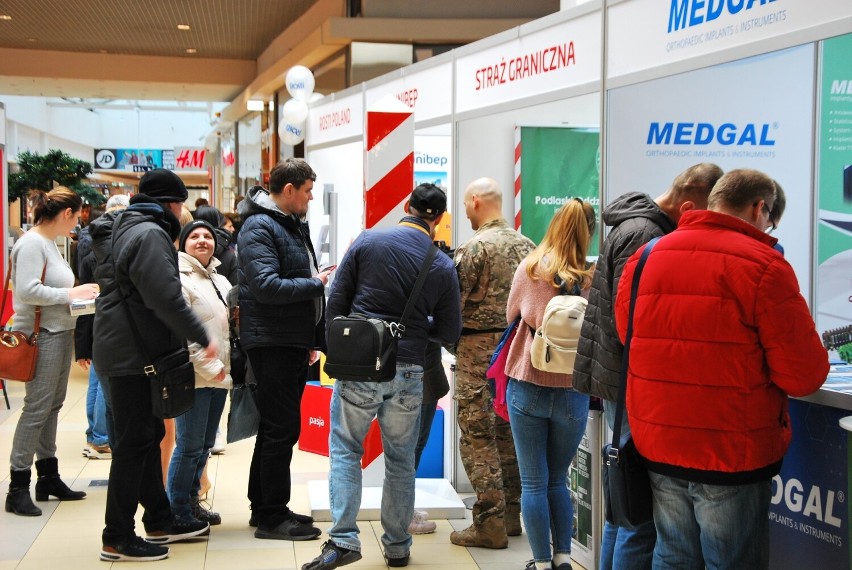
(483, 202)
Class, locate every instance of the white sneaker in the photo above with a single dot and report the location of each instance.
(420, 523)
(219, 445)
(93, 451)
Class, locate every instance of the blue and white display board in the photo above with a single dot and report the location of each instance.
(730, 115)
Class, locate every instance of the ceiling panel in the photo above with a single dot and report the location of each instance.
(229, 29)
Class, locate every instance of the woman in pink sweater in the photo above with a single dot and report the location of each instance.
(548, 417)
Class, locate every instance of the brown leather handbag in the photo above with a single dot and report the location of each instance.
(19, 352)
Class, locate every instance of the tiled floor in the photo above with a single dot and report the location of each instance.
(67, 535)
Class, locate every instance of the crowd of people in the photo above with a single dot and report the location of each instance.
(721, 337)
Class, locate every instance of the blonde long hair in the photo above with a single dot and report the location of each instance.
(562, 251)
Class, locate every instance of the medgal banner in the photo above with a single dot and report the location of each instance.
(665, 31)
(723, 115)
(808, 511)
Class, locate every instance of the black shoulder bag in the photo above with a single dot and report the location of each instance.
(172, 374)
(364, 348)
(627, 487)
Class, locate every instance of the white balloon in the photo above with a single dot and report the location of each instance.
(295, 111)
(315, 97)
(300, 82)
(291, 134)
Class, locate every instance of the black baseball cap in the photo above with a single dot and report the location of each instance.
(429, 199)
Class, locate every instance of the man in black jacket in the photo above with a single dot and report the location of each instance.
(138, 276)
(635, 219)
(282, 329)
(375, 278)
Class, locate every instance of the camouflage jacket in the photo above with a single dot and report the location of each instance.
(486, 265)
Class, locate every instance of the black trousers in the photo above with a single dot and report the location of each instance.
(135, 474)
(281, 374)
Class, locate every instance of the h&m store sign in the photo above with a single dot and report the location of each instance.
(141, 160)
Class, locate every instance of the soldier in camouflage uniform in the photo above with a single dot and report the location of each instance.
(486, 265)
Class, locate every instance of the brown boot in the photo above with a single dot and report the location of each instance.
(512, 519)
(490, 534)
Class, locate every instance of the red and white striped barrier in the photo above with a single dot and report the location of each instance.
(388, 161)
(518, 178)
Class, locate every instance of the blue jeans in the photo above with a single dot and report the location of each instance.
(196, 433)
(353, 407)
(720, 527)
(625, 548)
(97, 431)
(110, 421)
(547, 425)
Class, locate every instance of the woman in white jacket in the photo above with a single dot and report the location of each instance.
(205, 292)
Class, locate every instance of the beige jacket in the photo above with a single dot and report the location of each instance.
(198, 283)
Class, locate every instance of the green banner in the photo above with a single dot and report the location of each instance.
(557, 164)
(834, 236)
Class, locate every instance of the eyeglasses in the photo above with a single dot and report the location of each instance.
(771, 218)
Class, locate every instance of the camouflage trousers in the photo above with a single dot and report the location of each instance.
(486, 445)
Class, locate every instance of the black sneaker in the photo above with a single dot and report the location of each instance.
(301, 519)
(204, 514)
(396, 562)
(177, 531)
(290, 529)
(331, 557)
(136, 550)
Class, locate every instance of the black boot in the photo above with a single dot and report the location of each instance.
(18, 500)
(49, 483)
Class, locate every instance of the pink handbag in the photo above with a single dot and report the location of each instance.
(497, 370)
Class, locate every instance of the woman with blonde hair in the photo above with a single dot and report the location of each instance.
(547, 416)
(41, 278)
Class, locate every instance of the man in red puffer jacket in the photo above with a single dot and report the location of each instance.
(721, 337)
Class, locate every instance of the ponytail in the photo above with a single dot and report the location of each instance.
(47, 205)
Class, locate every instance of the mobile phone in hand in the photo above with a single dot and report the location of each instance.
(328, 268)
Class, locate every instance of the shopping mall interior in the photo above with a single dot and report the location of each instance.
(553, 99)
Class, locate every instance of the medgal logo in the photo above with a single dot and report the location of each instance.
(688, 13)
(727, 134)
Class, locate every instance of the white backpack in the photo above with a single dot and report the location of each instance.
(554, 346)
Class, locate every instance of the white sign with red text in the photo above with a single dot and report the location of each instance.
(664, 31)
(190, 158)
(565, 55)
(429, 93)
(336, 120)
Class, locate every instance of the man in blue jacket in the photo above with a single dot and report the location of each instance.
(282, 329)
(375, 278)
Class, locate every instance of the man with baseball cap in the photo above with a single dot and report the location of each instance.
(375, 278)
(138, 276)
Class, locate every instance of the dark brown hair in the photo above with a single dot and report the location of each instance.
(48, 205)
(740, 188)
(293, 171)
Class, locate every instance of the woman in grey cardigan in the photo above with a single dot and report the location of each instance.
(55, 214)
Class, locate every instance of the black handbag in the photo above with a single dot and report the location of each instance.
(172, 384)
(627, 486)
(243, 416)
(363, 348)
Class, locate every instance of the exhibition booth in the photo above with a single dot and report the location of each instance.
(611, 97)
